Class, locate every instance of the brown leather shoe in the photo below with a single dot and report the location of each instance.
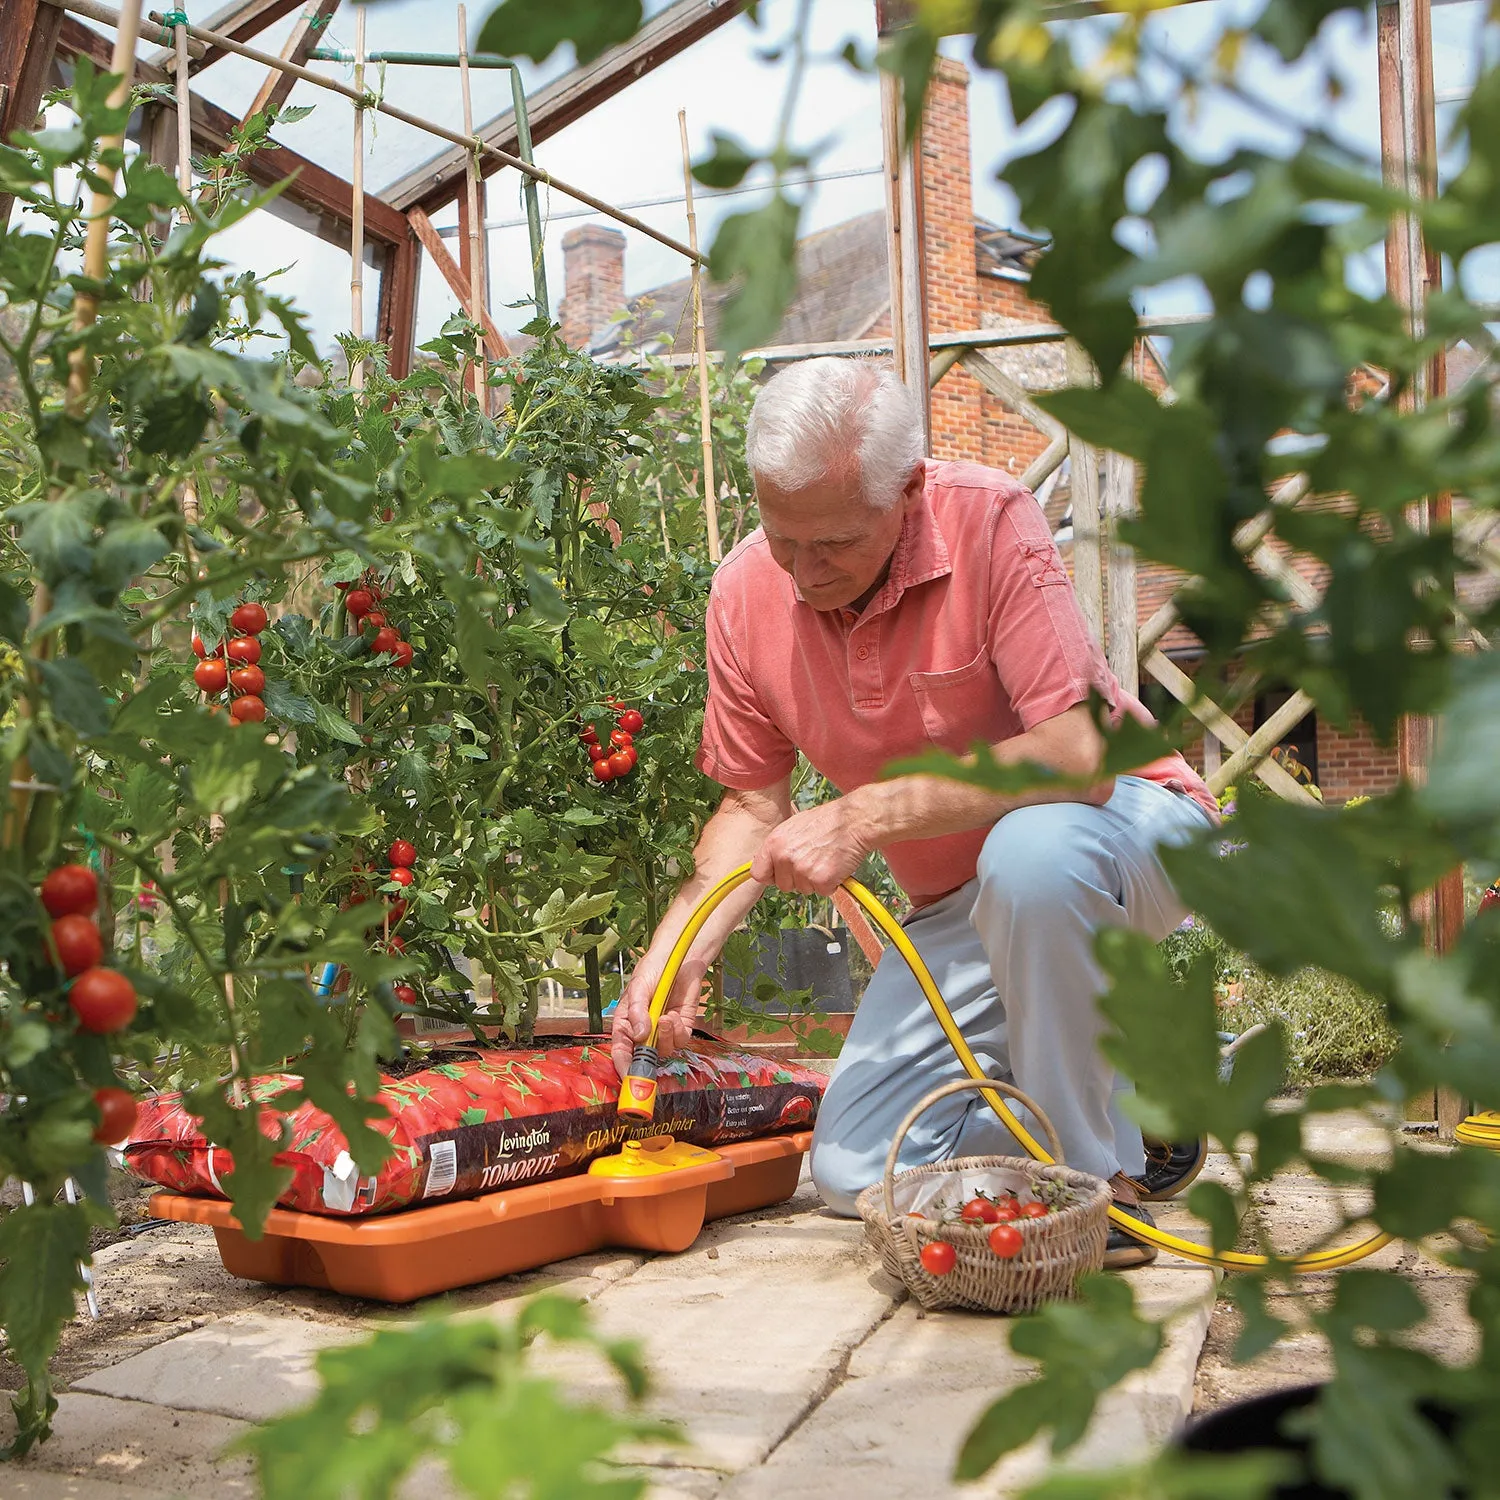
(1122, 1251)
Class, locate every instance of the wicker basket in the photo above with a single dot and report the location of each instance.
(1055, 1250)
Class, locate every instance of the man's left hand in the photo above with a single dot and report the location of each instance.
(813, 852)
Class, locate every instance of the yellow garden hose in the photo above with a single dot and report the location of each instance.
(638, 1093)
(1480, 1130)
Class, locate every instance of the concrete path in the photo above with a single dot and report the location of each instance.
(794, 1365)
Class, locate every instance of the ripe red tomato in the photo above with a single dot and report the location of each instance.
(244, 649)
(373, 621)
(69, 889)
(212, 676)
(78, 943)
(1006, 1209)
(403, 653)
(403, 853)
(619, 764)
(103, 1000)
(590, 735)
(247, 680)
(1491, 899)
(631, 721)
(1006, 1241)
(116, 1115)
(1034, 1210)
(397, 907)
(248, 619)
(396, 945)
(598, 752)
(404, 993)
(938, 1257)
(344, 586)
(401, 875)
(248, 710)
(603, 768)
(386, 640)
(199, 649)
(618, 739)
(359, 603)
(979, 1211)
(629, 752)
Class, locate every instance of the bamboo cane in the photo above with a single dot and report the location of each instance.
(357, 215)
(185, 186)
(471, 189)
(96, 247)
(700, 341)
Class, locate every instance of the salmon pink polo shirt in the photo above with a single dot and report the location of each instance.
(975, 635)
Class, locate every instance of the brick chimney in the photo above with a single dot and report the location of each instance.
(952, 281)
(593, 281)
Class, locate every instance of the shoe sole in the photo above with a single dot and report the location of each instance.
(1129, 1257)
(1183, 1183)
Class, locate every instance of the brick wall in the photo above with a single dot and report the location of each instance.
(593, 281)
(958, 421)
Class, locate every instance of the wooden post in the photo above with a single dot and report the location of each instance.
(1088, 561)
(28, 40)
(1121, 625)
(357, 184)
(475, 216)
(905, 239)
(396, 314)
(1408, 136)
(700, 345)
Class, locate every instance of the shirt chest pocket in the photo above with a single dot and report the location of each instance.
(960, 706)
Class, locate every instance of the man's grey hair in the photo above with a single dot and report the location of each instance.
(827, 420)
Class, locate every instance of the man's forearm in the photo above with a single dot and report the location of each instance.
(729, 839)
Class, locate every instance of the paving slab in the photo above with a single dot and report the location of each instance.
(25, 1483)
(742, 1334)
(913, 1390)
(253, 1366)
(100, 1439)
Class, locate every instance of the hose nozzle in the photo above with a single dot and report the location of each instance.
(638, 1086)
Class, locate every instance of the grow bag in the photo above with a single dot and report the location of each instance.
(479, 1121)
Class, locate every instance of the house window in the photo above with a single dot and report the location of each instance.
(1301, 739)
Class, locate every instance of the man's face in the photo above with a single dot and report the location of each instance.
(836, 547)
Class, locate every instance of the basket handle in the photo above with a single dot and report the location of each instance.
(959, 1086)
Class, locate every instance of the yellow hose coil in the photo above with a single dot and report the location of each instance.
(1480, 1130)
(1319, 1260)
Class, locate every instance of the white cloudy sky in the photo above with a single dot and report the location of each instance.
(628, 151)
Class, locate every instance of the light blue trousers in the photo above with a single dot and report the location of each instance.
(1012, 951)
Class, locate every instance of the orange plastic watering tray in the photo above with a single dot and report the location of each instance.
(402, 1256)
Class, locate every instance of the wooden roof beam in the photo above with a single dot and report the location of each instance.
(306, 35)
(313, 187)
(566, 99)
(241, 20)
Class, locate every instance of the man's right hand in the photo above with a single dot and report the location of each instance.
(632, 1022)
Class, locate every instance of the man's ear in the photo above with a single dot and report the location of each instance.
(911, 491)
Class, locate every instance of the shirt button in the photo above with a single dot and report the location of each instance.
(863, 652)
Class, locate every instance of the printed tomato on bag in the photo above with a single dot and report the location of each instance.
(478, 1121)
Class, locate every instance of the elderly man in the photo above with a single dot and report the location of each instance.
(888, 604)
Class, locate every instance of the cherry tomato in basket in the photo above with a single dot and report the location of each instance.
(979, 1211)
(70, 889)
(248, 619)
(1006, 1241)
(1034, 1210)
(116, 1115)
(1006, 1209)
(939, 1257)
